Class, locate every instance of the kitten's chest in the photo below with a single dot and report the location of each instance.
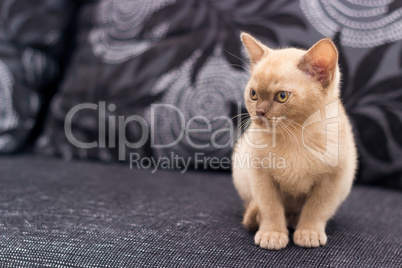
(299, 172)
(295, 168)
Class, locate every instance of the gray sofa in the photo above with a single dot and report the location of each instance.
(87, 214)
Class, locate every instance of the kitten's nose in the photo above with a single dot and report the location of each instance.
(260, 113)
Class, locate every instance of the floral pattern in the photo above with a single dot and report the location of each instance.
(184, 52)
(209, 98)
(360, 23)
(30, 37)
(188, 53)
(9, 119)
(375, 106)
(115, 38)
(126, 29)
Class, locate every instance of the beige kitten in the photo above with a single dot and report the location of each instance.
(295, 163)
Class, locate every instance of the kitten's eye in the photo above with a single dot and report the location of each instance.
(253, 95)
(282, 96)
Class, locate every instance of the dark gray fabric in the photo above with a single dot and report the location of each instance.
(32, 43)
(75, 214)
(188, 54)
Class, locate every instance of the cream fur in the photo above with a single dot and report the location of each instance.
(306, 192)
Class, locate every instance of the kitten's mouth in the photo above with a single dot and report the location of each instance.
(268, 121)
(258, 118)
(261, 120)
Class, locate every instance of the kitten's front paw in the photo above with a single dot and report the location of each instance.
(309, 238)
(271, 240)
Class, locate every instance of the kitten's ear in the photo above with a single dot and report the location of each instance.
(320, 61)
(255, 49)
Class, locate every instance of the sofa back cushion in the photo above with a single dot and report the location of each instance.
(174, 72)
(31, 44)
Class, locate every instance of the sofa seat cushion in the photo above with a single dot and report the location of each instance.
(87, 214)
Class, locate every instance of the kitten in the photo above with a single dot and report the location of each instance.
(297, 117)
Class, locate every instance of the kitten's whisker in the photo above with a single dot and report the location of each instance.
(292, 138)
(313, 142)
(279, 125)
(241, 130)
(287, 132)
(295, 140)
(238, 58)
(245, 122)
(294, 122)
(283, 128)
(289, 124)
(242, 117)
(239, 115)
(244, 68)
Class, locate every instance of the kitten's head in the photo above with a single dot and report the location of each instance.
(290, 83)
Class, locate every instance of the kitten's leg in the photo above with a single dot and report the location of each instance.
(293, 206)
(272, 233)
(292, 220)
(319, 207)
(241, 181)
(250, 220)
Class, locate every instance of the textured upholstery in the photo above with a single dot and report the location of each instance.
(132, 55)
(85, 214)
(32, 48)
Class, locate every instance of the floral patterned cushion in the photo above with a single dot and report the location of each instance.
(30, 44)
(186, 54)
